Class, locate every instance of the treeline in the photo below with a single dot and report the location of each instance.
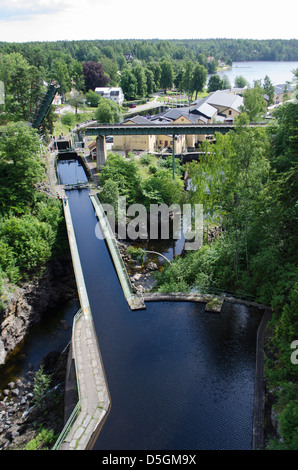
(31, 222)
(140, 67)
(43, 53)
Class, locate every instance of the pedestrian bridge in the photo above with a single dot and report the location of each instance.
(102, 130)
(158, 129)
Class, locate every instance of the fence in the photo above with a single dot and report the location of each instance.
(77, 409)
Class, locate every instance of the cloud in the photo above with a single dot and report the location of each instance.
(16, 10)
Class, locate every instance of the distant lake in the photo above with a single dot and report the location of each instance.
(278, 72)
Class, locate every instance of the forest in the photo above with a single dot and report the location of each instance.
(246, 181)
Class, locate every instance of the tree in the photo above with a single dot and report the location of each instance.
(22, 85)
(125, 174)
(254, 103)
(187, 77)
(269, 89)
(156, 69)
(151, 86)
(41, 386)
(77, 76)
(94, 75)
(212, 66)
(240, 81)
(111, 68)
(215, 83)
(229, 181)
(20, 165)
(167, 75)
(139, 73)
(199, 78)
(92, 98)
(108, 112)
(60, 73)
(75, 98)
(128, 83)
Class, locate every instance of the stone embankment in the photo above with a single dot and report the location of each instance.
(15, 403)
(26, 305)
(20, 418)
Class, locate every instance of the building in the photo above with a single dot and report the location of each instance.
(283, 93)
(111, 93)
(228, 104)
(135, 142)
(219, 106)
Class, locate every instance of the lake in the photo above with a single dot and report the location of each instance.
(278, 72)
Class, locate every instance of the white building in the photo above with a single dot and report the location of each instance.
(111, 93)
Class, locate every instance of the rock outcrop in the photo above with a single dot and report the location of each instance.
(26, 305)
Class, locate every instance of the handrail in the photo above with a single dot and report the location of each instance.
(76, 411)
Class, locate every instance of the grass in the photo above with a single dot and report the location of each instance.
(144, 163)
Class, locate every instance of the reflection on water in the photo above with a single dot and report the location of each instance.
(179, 378)
(71, 171)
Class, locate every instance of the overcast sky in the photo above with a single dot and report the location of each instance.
(50, 20)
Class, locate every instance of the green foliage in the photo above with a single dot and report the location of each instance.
(93, 98)
(125, 174)
(30, 225)
(146, 159)
(108, 112)
(41, 386)
(20, 166)
(30, 240)
(254, 103)
(45, 439)
(136, 253)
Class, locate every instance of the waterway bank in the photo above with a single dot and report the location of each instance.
(172, 368)
(27, 304)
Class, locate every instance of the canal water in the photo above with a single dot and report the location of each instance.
(179, 378)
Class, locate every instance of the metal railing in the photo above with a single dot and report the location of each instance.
(77, 409)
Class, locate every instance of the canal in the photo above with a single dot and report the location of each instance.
(179, 377)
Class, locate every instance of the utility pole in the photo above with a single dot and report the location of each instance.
(173, 164)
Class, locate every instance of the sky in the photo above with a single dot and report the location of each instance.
(53, 20)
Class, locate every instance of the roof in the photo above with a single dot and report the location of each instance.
(137, 120)
(175, 113)
(279, 89)
(205, 109)
(107, 89)
(225, 99)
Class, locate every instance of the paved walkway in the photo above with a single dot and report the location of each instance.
(94, 395)
(91, 380)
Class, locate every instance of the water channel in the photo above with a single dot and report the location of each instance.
(179, 378)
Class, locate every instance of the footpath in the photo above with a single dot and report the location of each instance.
(94, 403)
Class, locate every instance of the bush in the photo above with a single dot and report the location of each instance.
(136, 253)
(146, 159)
(41, 386)
(44, 439)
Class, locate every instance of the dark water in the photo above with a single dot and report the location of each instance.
(70, 172)
(52, 334)
(179, 378)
